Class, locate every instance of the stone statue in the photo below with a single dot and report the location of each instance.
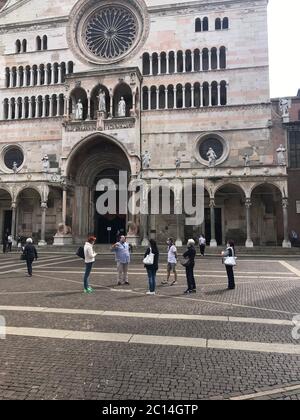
(15, 167)
(46, 163)
(212, 158)
(146, 160)
(132, 229)
(102, 101)
(246, 160)
(178, 163)
(63, 230)
(284, 106)
(122, 108)
(79, 110)
(281, 155)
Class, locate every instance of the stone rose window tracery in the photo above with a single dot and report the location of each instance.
(111, 32)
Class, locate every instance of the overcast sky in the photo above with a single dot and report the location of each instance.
(284, 40)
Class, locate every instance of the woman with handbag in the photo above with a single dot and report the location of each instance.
(229, 259)
(151, 264)
(189, 265)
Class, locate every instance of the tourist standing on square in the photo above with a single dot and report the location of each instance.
(30, 254)
(5, 240)
(172, 262)
(190, 256)
(202, 245)
(122, 251)
(229, 259)
(9, 243)
(152, 268)
(89, 258)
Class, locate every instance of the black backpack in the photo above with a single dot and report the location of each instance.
(80, 252)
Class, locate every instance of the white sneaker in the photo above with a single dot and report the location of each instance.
(150, 293)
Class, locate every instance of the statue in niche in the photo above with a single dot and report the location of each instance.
(46, 163)
(102, 101)
(146, 159)
(15, 167)
(281, 158)
(284, 105)
(122, 108)
(79, 110)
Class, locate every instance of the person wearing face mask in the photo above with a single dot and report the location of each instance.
(122, 251)
(172, 262)
(229, 259)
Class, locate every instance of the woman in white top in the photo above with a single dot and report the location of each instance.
(89, 256)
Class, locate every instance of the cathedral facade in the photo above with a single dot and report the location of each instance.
(89, 88)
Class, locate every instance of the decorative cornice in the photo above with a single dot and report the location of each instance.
(33, 26)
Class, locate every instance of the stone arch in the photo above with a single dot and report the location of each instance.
(153, 97)
(146, 64)
(171, 103)
(18, 46)
(38, 43)
(145, 98)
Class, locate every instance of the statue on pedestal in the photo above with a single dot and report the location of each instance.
(212, 158)
(178, 163)
(46, 163)
(15, 167)
(146, 159)
(284, 105)
(246, 159)
(79, 110)
(122, 108)
(281, 158)
(102, 101)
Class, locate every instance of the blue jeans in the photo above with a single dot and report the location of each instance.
(88, 269)
(152, 278)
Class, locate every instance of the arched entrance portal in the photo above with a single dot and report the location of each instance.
(95, 159)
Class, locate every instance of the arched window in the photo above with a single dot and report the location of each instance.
(7, 77)
(188, 96)
(197, 95)
(18, 46)
(162, 97)
(170, 96)
(179, 62)
(205, 62)
(188, 61)
(24, 46)
(26, 105)
(54, 106)
(163, 63)
(70, 67)
(14, 76)
(21, 76)
(55, 72)
(45, 42)
(223, 58)
(197, 60)
(155, 64)
(153, 97)
(27, 72)
(171, 62)
(19, 108)
(146, 64)
(35, 72)
(214, 58)
(47, 106)
(13, 108)
(223, 99)
(33, 106)
(63, 72)
(205, 94)
(42, 72)
(38, 43)
(145, 98)
(179, 96)
(39, 106)
(205, 25)
(218, 24)
(61, 104)
(225, 24)
(214, 94)
(5, 109)
(198, 25)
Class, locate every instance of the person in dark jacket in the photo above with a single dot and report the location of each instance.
(190, 254)
(230, 264)
(5, 241)
(152, 269)
(30, 255)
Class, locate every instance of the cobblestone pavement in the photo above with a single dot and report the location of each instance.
(119, 343)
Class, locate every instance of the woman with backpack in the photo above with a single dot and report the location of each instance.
(229, 259)
(151, 264)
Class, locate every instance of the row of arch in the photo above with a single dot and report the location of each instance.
(184, 61)
(34, 107)
(44, 74)
(185, 96)
(41, 44)
(202, 25)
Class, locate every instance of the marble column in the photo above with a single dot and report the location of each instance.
(184, 62)
(18, 78)
(212, 205)
(64, 206)
(166, 98)
(175, 59)
(201, 97)
(183, 97)
(59, 74)
(219, 94)
(42, 242)
(9, 109)
(218, 59)
(30, 108)
(38, 77)
(89, 108)
(286, 242)
(43, 107)
(167, 64)
(193, 62)
(23, 108)
(51, 107)
(149, 99)
(157, 98)
(11, 78)
(13, 220)
(178, 206)
(151, 66)
(31, 77)
(175, 98)
(249, 242)
(52, 74)
(159, 64)
(193, 97)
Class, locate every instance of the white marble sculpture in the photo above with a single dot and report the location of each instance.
(46, 163)
(122, 108)
(284, 106)
(246, 160)
(146, 160)
(102, 101)
(212, 158)
(178, 163)
(281, 158)
(15, 167)
(79, 110)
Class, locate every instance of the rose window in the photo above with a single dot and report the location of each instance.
(110, 32)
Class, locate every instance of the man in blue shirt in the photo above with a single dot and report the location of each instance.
(122, 252)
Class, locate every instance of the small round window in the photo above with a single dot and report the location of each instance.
(211, 143)
(13, 156)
